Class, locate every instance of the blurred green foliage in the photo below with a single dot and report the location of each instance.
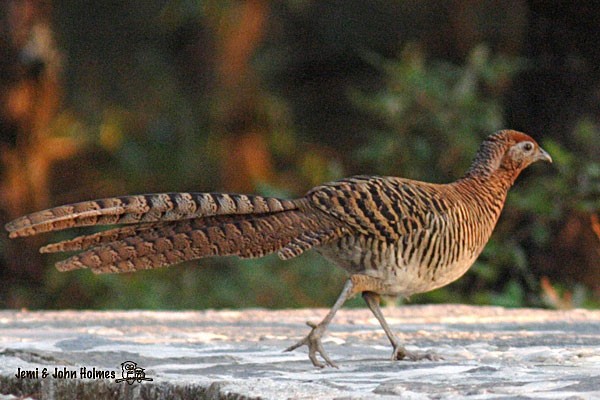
(435, 113)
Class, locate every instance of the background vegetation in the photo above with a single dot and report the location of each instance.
(273, 97)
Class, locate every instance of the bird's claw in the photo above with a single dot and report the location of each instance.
(401, 353)
(313, 341)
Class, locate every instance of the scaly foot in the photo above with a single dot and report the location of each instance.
(313, 341)
(401, 353)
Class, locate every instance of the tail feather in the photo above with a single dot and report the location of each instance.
(144, 208)
(286, 231)
(172, 243)
(85, 242)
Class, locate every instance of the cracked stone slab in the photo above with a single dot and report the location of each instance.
(488, 353)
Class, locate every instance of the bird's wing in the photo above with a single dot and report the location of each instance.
(385, 207)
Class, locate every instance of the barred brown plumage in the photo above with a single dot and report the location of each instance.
(394, 236)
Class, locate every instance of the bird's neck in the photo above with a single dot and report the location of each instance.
(489, 186)
(499, 179)
(490, 173)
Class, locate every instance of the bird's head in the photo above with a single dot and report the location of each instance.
(507, 153)
(521, 151)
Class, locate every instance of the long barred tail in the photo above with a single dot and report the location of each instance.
(112, 235)
(166, 229)
(175, 242)
(144, 208)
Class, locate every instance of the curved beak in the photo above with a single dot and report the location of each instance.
(543, 155)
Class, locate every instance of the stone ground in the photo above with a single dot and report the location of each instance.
(488, 353)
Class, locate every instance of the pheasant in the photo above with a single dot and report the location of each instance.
(393, 236)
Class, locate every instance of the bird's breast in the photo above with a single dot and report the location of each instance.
(404, 267)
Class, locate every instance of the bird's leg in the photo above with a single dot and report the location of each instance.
(372, 300)
(313, 339)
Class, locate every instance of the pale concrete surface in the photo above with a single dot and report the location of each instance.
(489, 353)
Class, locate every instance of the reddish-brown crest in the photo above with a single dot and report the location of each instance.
(520, 137)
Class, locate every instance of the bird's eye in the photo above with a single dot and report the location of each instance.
(527, 146)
